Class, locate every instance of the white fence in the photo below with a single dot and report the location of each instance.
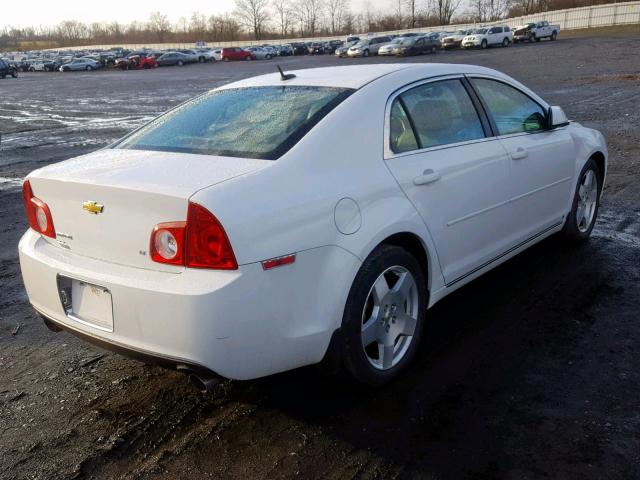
(570, 19)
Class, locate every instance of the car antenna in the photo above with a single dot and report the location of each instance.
(285, 76)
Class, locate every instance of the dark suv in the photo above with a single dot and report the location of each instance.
(7, 68)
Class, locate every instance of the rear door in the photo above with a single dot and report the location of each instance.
(437, 147)
(495, 35)
(542, 161)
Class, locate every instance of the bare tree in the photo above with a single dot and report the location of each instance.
(495, 9)
(284, 14)
(336, 10)
(445, 9)
(159, 24)
(198, 25)
(73, 31)
(310, 11)
(411, 7)
(398, 11)
(253, 15)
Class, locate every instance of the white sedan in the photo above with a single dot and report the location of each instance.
(278, 221)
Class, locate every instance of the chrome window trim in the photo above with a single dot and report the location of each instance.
(390, 154)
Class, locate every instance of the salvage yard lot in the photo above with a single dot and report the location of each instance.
(529, 372)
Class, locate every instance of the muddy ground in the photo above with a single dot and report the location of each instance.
(530, 372)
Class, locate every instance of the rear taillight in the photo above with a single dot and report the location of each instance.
(38, 213)
(167, 243)
(200, 242)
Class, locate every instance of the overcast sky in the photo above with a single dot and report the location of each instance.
(47, 12)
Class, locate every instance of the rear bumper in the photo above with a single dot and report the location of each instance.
(153, 358)
(240, 324)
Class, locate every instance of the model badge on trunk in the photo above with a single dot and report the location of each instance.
(93, 207)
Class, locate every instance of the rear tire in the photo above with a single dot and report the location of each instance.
(586, 203)
(180, 63)
(384, 316)
(505, 42)
(365, 53)
(554, 35)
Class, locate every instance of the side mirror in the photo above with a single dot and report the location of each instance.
(556, 118)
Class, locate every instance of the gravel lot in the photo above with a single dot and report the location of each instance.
(529, 372)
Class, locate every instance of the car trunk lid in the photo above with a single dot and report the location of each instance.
(105, 205)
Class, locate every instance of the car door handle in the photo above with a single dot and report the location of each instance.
(519, 154)
(428, 176)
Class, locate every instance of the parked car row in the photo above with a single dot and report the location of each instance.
(413, 43)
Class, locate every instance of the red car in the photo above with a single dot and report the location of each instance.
(236, 53)
(136, 62)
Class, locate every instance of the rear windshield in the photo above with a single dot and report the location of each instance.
(256, 122)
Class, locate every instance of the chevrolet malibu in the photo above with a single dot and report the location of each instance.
(314, 217)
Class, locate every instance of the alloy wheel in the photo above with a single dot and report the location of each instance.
(389, 317)
(587, 201)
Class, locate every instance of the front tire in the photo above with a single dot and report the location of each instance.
(365, 53)
(484, 44)
(384, 316)
(586, 203)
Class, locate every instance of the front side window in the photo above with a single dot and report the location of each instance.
(512, 110)
(258, 122)
(440, 113)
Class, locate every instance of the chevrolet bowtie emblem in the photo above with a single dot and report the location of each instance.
(93, 207)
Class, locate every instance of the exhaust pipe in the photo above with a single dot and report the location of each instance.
(204, 384)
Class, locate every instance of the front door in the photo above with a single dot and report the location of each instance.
(542, 161)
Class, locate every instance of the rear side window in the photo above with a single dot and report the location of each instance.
(440, 113)
(258, 122)
(402, 137)
(512, 110)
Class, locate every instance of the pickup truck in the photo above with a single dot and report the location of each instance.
(535, 31)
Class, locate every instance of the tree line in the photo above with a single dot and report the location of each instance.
(271, 19)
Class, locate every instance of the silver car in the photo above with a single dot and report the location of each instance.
(343, 50)
(387, 49)
(78, 64)
(367, 47)
(260, 53)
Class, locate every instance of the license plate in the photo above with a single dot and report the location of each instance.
(87, 303)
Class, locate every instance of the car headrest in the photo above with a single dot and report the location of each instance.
(432, 115)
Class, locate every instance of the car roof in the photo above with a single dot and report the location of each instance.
(355, 76)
